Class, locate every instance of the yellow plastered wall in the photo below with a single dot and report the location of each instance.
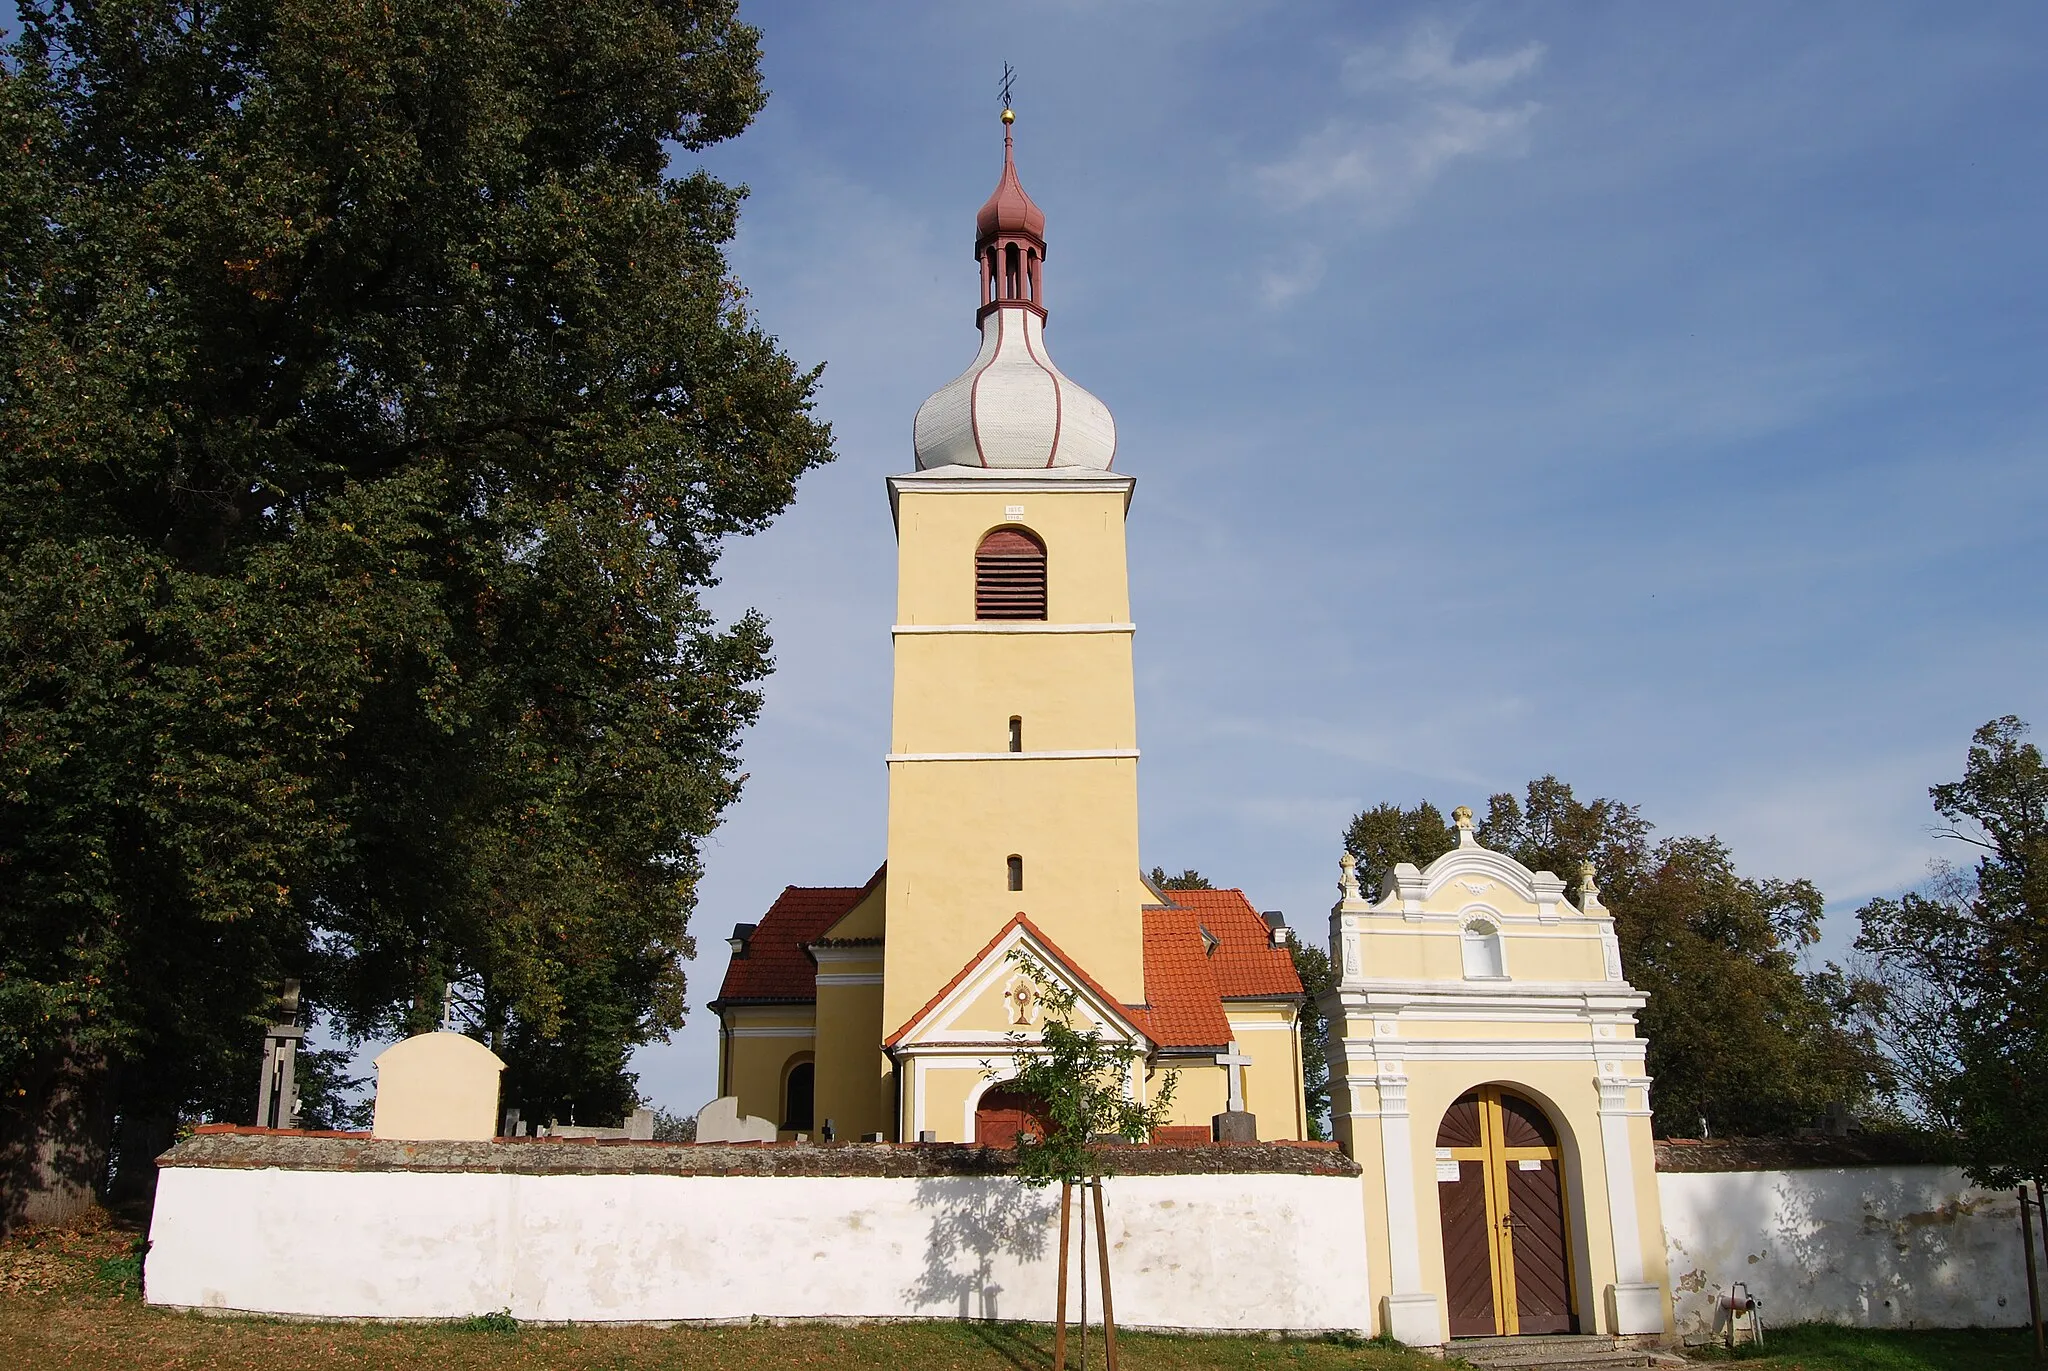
(852, 1070)
(755, 1061)
(938, 531)
(954, 822)
(1200, 1090)
(1272, 1083)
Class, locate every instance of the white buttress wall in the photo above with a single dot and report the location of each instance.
(1880, 1246)
(1223, 1252)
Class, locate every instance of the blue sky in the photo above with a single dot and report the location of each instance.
(1652, 395)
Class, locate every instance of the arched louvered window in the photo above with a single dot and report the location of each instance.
(1009, 576)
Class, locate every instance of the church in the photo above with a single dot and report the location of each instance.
(889, 1009)
(1485, 1070)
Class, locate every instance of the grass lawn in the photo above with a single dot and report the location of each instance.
(69, 1299)
(1826, 1347)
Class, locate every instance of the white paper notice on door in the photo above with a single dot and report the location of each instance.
(1446, 1171)
(1528, 1164)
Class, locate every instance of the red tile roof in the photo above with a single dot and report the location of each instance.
(1180, 982)
(776, 967)
(1185, 982)
(1246, 963)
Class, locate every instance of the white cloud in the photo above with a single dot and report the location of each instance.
(1434, 109)
(1429, 61)
(1283, 278)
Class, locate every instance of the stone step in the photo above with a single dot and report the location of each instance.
(1554, 1352)
(1571, 1361)
(1518, 1343)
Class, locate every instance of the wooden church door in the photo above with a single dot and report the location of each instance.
(1004, 1113)
(1500, 1189)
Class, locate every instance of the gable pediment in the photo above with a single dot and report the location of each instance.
(992, 998)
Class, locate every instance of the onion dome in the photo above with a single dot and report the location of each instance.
(1013, 408)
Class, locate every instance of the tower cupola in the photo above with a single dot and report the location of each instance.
(1013, 408)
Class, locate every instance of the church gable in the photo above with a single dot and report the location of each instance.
(992, 997)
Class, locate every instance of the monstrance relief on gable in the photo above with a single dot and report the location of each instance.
(996, 998)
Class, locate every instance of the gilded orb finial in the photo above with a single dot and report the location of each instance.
(1009, 115)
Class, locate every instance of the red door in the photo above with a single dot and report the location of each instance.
(1003, 1114)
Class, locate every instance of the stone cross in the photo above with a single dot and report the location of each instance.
(277, 1091)
(1233, 1063)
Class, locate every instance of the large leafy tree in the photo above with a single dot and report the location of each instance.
(374, 402)
(1959, 989)
(1741, 1040)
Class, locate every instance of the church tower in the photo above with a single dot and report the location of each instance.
(1013, 763)
(894, 1010)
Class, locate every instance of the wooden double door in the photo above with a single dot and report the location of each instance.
(1500, 1186)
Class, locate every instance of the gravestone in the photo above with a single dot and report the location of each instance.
(437, 1086)
(638, 1127)
(721, 1121)
(1234, 1125)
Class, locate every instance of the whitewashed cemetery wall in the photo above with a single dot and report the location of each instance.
(1229, 1239)
(1877, 1246)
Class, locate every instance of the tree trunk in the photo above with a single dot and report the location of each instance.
(139, 1139)
(1108, 1306)
(1059, 1335)
(53, 1139)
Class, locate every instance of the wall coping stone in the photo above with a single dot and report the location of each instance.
(257, 1149)
(1683, 1155)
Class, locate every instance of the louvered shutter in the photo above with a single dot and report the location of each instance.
(1009, 576)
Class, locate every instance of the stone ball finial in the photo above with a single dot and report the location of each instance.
(1462, 818)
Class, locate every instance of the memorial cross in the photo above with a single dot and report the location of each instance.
(1233, 1062)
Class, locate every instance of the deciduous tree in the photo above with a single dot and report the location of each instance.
(374, 403)
(1959, 992)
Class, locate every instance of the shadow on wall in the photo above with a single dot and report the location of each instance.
(975, 1227)
(1873, 1247)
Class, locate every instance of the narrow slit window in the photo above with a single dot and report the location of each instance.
(1016, 872)
(1009, 576)
(1016, 733)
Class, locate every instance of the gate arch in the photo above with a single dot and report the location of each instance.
(1506, 1236)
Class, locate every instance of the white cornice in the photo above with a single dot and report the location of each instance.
(1077, 755)
(1007, 481)
(1002, 626)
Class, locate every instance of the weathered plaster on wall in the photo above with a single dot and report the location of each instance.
(1223, 1252)
(1891, 1246)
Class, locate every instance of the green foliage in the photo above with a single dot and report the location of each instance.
(674, 1128)
(1959, 992)
(1079, 1078)
(499, 1321)
(1386, 835)
(1189, 879)
(374, 404)
(1312, 964)
(1739, 1037)
(123, 1274)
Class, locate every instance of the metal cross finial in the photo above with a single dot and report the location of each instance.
(1009, 76)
